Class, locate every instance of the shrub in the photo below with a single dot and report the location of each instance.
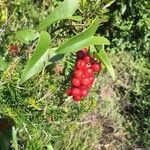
(128, 27)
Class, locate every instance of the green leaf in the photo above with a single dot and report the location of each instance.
(102, 56)
(64, 11)
(3, 64)
(73, 47)
(27, 35)
(50, 147)
(14, 138)
(76, 18)
(82, 39)
(38, 59)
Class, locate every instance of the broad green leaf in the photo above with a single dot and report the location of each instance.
(102, 55)
(83, 35)
(3, 64)
(64, 11)
(27, 35)
(37, 61)
(80, 37)
(73, 47)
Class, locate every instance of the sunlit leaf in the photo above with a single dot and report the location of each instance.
(50, 147)
(38, 59)
(64, 11)
(73, 47)
(27, 35)
(102, 56)
(3, 64)
(82, 40)
(76, 18)
(14, 139)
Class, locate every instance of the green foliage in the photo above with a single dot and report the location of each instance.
(102, 56)
(64, 11)
(27, 35)
(128, 27)
(138, 108)
(3, 64)
(128, 30)
(38, 59)
(14, 141)
(133, 92)
(79, 41)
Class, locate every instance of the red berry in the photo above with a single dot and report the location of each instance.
(83, 87)
(76, 98)
(87, 59)
(84, 93)
(85, 81)
(89, 86)
(96, 67)
(69, 92)
(78, 74)
(80, 54)
(93, 61)
(81, 64)
(75, 82)
(88, 72)
(85, 49)
(91, 79)
(76, 92)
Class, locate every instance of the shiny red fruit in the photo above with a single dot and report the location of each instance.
(89, 86)
(76, 92)
(80, 54)
(75, 82)
(96, 67)
(81, 64)
(76, 98)
(69, 92)
(87, 59)
(85, 81)
(85, 49)
(91, 79)
(84, 93)
(83, 87)
(78, 74)
(88, 72)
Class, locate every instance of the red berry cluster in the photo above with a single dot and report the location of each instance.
(83, 75)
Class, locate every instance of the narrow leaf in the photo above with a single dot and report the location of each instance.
(14, 139)
(49, 147)
(37, 61)
(64, 11)
(27, 35)
(102, 56)
(93, 40)
(80, 37)
(3, 64)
